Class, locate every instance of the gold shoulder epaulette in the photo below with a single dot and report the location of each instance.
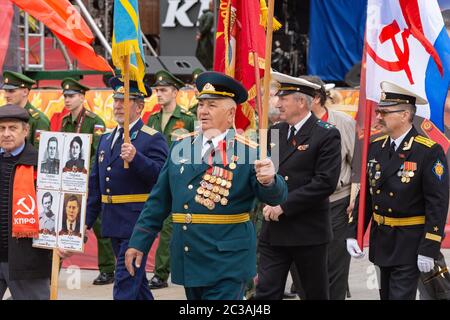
(90, 114)
(148, 130)
(34, 114)
(380, 138)
(186, 112)
(244, 140)
(154, 112)
(186, 135)
(425, 141)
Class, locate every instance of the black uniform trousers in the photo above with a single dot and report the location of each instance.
(274, 264)
(338, 257)
(399, 282)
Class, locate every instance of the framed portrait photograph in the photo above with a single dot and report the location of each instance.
(50, 164)
(71, 222)
(48, 210)
(75, 162)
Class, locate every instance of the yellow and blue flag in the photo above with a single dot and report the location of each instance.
(127, 40)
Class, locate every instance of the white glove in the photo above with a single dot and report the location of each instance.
(425, 264)
(353, 248)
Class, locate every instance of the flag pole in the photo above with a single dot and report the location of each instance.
(126, 102)
(55, 275)
(264, 121)
(258, 87)
(363, 189)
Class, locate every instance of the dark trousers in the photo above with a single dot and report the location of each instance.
(274, 263)
(338, 257)
(226, 289)
(162, 255)
(32, 289)
(127, 287)
(399, 282)
(105, 254)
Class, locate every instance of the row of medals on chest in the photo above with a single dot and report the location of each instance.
(215, 187)
(405, 173)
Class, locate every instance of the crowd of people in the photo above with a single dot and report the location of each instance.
(231, 224)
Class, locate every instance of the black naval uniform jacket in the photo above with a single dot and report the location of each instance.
(311, 169)
(391, 194)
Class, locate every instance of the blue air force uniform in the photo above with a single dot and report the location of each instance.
(119, 195)
(213, 243)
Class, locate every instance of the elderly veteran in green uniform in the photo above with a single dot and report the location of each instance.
(172, 121)
(81, 120)
(407, 197)
(17, 87)
(208, 187)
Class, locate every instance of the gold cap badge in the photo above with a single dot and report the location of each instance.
(209, 87)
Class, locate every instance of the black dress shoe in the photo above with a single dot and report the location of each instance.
(104, 278)
(157, 283)
(289, 295)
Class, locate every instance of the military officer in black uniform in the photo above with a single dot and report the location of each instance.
(299, 229)
(407, 197)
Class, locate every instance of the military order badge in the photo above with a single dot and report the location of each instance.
(214, 187)
(438, 169)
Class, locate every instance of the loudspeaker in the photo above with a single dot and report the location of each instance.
(181, 66)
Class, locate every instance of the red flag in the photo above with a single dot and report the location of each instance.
(240, 33)
(66, 23)
(6, 16)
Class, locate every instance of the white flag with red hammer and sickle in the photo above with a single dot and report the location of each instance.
(407, 43)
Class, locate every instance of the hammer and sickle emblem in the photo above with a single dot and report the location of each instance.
(29, 211)
(402, 64)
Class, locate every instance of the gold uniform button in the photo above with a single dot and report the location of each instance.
(378, 191)
(108, 169)
(390, 210)
(376, 207)
(391, 194)
(184, 228)
(186, 207)
(286, 178)
(186, 249)
(190, 187)
(108, 191)
(107, 179)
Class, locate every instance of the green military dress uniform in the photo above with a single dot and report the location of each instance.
(213, 241)
(38, 121)
(208, 196)
(180, 123)
(89, 122)
(195, 74)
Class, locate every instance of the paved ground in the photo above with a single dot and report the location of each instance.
(76, 284)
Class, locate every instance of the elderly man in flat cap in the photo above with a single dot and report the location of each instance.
(24, 270)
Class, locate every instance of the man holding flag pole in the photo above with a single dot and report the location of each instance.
(118, 192)
(404, 186)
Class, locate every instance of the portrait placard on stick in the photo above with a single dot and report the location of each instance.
(62, 181)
